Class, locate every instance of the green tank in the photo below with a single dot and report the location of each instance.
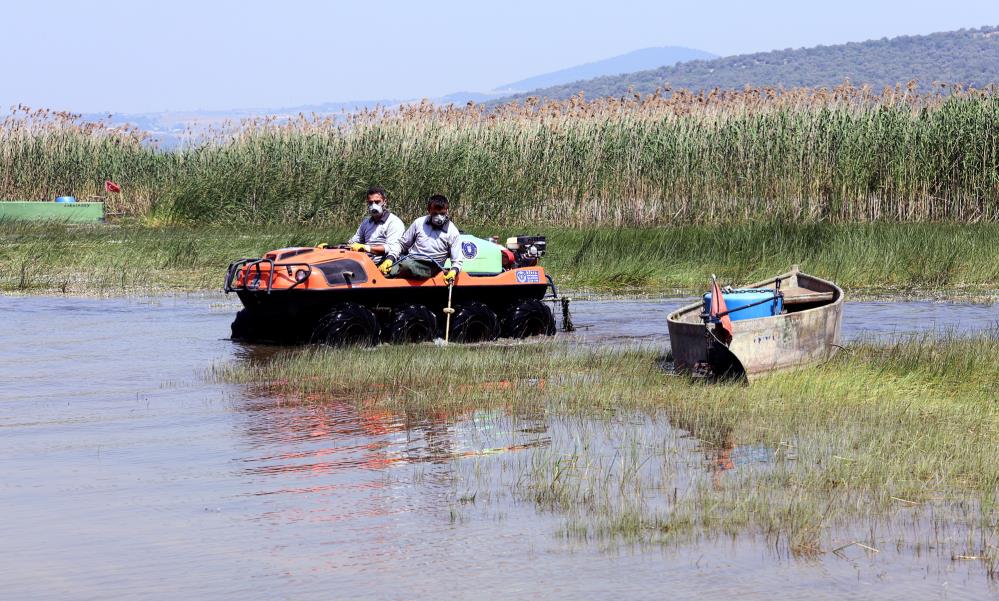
(480, 257)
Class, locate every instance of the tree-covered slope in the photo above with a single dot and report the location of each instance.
(967, 56)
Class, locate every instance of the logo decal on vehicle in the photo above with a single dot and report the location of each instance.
(469, 250)
(529, 276)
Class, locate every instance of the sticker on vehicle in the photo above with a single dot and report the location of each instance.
(529, 276)
(469, 250)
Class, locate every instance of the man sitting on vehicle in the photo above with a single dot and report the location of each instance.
(379, 234)
(430, 240)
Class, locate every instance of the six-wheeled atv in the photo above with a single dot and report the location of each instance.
(337, 296)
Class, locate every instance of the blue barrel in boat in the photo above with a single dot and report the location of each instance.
(748, 296)
(65, 199)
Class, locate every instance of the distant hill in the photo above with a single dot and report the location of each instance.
(646, 58)
(170, 128)
(968, 56)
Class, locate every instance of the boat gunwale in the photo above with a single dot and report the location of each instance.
(838, 299)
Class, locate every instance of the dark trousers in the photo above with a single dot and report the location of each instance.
(408, 267)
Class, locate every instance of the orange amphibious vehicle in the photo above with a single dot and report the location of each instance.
(337, 296)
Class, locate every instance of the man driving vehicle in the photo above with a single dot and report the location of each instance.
(380, 232)
(429, 241)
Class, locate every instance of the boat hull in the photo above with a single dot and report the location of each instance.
(808, 333)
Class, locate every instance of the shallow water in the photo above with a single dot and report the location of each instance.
(644, 322)
(125, 474)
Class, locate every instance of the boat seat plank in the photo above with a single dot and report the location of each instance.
(797, 294)
(803, 295)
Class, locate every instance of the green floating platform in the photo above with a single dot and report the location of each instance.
(75, 212)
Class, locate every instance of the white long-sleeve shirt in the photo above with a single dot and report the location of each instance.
(387, 230)
(422, 240)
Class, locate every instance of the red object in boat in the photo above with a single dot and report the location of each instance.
(718, 307)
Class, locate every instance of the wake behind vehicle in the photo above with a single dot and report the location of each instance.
(337, 296)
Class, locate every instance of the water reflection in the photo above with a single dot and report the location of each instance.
(717, 447)
(338, 441)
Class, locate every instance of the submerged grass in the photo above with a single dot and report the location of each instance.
(885, 444)
(885, 258)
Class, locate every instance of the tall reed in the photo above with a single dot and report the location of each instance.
(818, 155)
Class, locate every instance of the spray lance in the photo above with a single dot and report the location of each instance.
(448, 311)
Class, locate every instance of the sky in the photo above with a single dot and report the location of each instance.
(145, 56)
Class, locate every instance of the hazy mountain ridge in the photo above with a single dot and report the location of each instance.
(645, 58)
(169, 127)
(967, 56)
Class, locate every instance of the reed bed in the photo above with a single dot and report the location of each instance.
(888, 444)
(44, 154)
(818, 155)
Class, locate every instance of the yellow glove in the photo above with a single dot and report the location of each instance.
(358, 247)
(385, 266)
(449, 276)
(323, 245)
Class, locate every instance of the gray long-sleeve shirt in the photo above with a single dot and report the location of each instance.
(422, 240)
(388, 231)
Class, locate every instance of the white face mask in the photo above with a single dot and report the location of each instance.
(375, 209)
(438, 221)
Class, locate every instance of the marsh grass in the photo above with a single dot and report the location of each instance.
(887, 443)
(128, 259)
(889, 257)
(881, 258)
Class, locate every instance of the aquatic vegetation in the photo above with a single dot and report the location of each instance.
(884, 258)
(114, 260)
(887, 442)
(817, 155)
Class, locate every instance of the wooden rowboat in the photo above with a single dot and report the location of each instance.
(807, 331)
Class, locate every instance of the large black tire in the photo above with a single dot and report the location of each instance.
(249, 326)
(474, 322)
(347, 324)
(410, 323)
(528, 317)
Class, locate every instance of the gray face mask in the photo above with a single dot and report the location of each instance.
(375, 209)
(438, 221)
